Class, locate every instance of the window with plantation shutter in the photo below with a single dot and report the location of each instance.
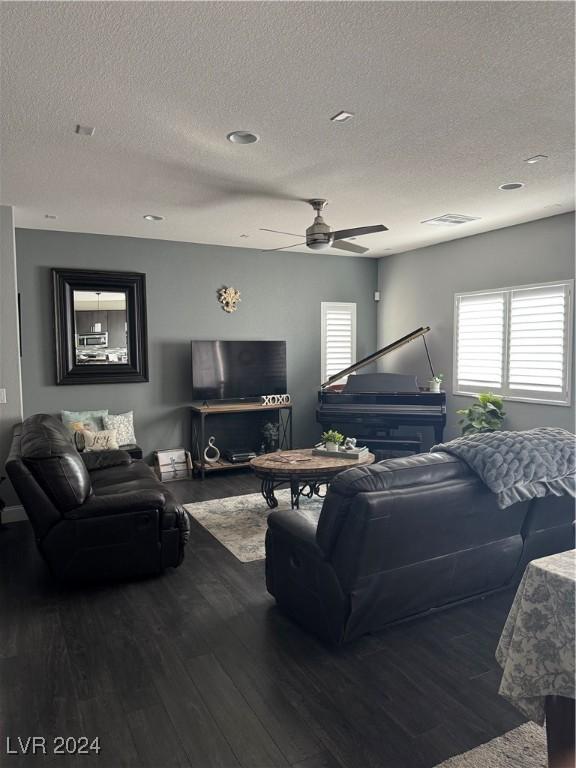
(538, 341)
(515, 342)
(480, 340)
(338, 337)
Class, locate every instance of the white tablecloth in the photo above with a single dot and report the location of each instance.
(537, 648)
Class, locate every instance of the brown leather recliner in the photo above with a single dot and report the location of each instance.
(96, 516)
(401, 538)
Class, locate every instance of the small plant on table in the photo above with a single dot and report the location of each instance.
(332, 439)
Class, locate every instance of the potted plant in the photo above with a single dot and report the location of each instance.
(434, 383)
(332, 439)
(485, 415)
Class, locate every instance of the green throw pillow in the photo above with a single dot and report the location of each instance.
(93, 421)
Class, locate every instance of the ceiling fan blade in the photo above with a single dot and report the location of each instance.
(278, 232)
(342, 234)
(267, 250)
(342, 245)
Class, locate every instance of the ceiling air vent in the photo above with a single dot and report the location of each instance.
(450, 219)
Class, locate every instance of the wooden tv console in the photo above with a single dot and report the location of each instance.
(200, 415)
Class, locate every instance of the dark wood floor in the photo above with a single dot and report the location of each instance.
(198, 668)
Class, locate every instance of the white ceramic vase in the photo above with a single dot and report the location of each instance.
(331, 446)
(433, 385)
(211, 453)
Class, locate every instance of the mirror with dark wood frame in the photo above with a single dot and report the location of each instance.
(100, 324)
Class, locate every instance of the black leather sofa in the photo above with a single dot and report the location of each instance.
(98, 515)
(401, 538)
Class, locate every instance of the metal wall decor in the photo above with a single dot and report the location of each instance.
(229, 297)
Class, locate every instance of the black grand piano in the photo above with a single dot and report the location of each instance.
(370, 406)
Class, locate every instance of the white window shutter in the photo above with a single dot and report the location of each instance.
(480, 323)
(338, 337)
(538, 340)
(516, 342)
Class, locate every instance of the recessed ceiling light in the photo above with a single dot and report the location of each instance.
(84, 130)
(153, 217)
(450, 220)
(341, 117)
(535, 159)
(242, 137)
(510, 185)
(244, 235)
(49, 216)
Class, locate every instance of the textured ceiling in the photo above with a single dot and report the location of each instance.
(449, 98)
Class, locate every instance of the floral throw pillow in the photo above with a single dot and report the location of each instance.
(105, 440)
(123, 423)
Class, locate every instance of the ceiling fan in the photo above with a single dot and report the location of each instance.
(319, 236)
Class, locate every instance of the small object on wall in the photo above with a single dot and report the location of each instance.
(173, 464)
(229, 297)
(211, 453)
(275, 399)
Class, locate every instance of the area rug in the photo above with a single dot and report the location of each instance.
(239, 522)
(524, 747)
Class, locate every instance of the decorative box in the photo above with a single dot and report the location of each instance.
(352, 453)
(173, 464)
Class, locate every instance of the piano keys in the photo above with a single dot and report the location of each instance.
(371, 406)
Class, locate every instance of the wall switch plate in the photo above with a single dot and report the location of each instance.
(376, 295)
(2, 396)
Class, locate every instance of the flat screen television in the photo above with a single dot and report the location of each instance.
(238, 370)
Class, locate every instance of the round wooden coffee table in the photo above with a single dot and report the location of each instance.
(302, 470)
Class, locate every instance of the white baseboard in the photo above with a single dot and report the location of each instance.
(13, 514)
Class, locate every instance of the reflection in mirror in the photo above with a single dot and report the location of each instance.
(100, 327)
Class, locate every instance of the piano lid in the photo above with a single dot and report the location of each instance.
(419, 332)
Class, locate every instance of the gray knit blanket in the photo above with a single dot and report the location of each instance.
(520, 465)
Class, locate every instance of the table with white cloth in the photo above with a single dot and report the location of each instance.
(537, 647)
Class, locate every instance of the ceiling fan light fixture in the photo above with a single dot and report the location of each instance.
(319, 236)
(317, 245)
(243, 137)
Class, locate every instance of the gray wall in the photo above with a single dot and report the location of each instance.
(11, 410)
(281, 295)
(417, 288)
